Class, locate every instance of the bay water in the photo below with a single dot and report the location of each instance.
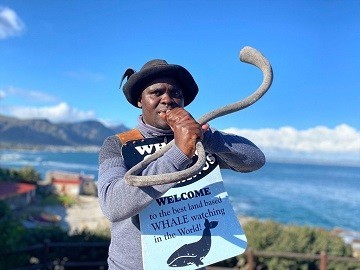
(320, 195)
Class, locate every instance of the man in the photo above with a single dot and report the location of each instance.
(162, 91)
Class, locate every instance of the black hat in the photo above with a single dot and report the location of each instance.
(137, 81)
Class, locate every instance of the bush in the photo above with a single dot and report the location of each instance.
(67, 200)
(29, 174)
(11, 236)
(25, 174)
(16, 237)
(272, 236)
(54, 199)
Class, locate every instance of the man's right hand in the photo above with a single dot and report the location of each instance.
(187, 132)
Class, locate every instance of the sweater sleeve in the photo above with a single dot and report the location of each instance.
(119, 200)
(234, 152)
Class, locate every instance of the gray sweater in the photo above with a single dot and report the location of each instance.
(122, 203)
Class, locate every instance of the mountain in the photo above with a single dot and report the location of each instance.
(42, 132)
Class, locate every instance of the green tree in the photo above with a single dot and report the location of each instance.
(29, 174)
(24, 174)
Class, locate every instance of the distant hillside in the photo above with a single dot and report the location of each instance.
(42, 132)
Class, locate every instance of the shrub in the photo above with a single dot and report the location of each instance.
(24, 174)
(272, 236)
(54, 199)
(11, 236)
(29, 174)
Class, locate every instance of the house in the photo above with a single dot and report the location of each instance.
(69, 183)
(17, 195)
(88, 186)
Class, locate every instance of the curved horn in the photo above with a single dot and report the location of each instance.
(248, 55)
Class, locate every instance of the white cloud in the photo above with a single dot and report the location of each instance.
(340, 139)
(61, 112)
(339, 143)
(10, 23)
(29, 95)
(2, 94)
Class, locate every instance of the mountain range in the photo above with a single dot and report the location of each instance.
(42, 132)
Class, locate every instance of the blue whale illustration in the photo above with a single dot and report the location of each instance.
(193, 253)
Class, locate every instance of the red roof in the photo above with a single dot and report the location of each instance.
(70, 181)
(8, 189)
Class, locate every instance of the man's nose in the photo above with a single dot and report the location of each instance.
(167, 98)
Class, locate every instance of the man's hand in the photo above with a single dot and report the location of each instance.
(187, 132)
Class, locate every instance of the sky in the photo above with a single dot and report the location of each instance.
(63, 60)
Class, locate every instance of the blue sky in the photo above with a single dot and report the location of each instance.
(63, 60)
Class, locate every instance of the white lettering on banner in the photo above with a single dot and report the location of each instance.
(210, 159)
(148, 149)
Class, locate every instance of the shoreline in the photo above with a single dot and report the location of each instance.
(96, 149)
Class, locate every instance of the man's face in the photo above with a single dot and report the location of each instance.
(159, 96)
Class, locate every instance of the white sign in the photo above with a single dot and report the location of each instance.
(191, 225)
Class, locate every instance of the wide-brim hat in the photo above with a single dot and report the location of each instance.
(138, 81)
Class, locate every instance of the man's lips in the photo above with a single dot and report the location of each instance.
(162, 113)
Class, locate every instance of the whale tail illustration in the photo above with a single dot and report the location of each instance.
(210, 225)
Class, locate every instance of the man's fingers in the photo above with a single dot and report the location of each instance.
(205, 127)
(163, 115)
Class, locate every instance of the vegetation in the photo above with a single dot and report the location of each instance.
(26, 174)
(11, 235)
(275, 237)
(53, 199)
(272, 236)
(14, 236)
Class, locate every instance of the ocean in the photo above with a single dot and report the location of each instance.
(320, 195)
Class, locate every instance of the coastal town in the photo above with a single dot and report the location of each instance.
(84, 214)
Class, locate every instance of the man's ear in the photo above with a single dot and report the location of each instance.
(139, 103)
